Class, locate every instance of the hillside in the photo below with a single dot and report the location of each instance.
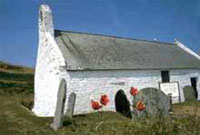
(15, 79)
(6, 67)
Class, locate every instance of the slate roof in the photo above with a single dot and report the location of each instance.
(84, 51)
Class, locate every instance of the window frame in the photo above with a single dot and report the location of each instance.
(165, 76)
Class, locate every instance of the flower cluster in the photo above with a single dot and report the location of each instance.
(140, 105)
(104, 100)
(134, 91)
(95, 105)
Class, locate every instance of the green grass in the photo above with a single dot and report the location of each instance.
(16, 98)
(12, 83)
(16, 76)
(13, 87)
(15, 119)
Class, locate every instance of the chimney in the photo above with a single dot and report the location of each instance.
(45, 22)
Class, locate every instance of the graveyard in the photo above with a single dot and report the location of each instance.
(99, 67)
(16, 117)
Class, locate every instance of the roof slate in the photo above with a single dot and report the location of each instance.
(97, 52)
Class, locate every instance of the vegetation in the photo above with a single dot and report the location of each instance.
(16, 96)
(15, 79)
(5, 67)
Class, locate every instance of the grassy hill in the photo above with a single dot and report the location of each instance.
(6, 67)
(15, 79)
(16, 98)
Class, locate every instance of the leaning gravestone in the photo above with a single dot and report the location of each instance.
(61, 96)
(189, 93)
(157, 102)
(71, 105)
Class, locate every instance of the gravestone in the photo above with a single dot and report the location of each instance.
(61, 96)
(157, 102)
(189, 93)
(71, 105)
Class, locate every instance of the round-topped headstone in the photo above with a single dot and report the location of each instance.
(157, 103)
(189, 93)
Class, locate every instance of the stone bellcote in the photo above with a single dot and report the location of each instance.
(45, 20)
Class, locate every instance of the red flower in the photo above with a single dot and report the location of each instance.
(140, 106)
(95, 105)
(134, 91)
(104, 100)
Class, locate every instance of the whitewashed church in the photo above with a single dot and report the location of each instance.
(92, 65)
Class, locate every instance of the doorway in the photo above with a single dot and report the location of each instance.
(194, 85)
(122, 104)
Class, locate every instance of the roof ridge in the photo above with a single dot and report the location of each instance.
(87, 33)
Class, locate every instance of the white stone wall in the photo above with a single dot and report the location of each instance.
(91, 84)
(48, 67)
(47, 78)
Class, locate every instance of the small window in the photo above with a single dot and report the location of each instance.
(165, 76)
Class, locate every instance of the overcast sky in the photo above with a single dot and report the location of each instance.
(164, 20)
